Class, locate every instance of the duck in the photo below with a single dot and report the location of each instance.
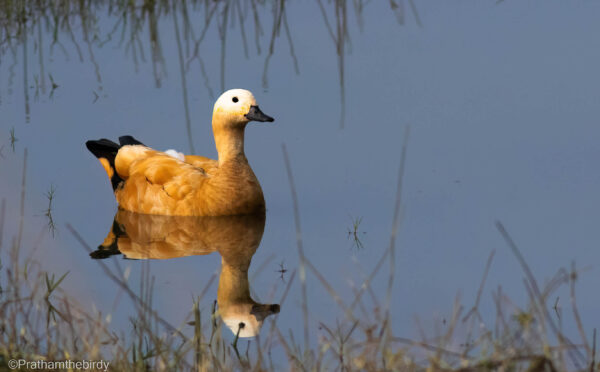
(148, 181)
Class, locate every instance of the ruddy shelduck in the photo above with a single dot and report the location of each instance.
(170, 183)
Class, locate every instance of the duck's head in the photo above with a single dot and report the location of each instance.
(237, 107)
(247, 318)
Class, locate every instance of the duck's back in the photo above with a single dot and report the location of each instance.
(153, 182)
(156, 183)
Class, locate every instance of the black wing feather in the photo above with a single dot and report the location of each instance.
(129, 140)
(107, 149)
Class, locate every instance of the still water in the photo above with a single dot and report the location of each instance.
(497, 104)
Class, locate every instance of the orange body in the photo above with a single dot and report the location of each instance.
(156, 183)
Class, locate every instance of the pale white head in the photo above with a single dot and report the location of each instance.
(247, 318)
(236, 107)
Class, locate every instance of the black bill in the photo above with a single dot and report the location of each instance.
(261, 311)
(257, 115)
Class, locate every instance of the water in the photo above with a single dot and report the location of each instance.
(501, 101)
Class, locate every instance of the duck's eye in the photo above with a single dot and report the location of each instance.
(235, 99)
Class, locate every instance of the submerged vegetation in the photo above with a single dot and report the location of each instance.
(354, 233)
(48, 212)
(13, 139)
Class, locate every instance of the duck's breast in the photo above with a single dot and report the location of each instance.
(232, 189)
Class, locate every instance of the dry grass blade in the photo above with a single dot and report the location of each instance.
(540, 302)
(397, 216)
(301, 269)
(475, 307)
(593, 362)
(17, 247)
(572, 279)
(522, 262)
(2, 216)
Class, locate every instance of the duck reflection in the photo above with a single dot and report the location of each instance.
(236, 238)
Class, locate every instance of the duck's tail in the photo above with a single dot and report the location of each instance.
(129, 140)
(106, 151)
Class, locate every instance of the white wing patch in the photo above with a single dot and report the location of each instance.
(175, 154)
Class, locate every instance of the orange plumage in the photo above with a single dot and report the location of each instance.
(153, 182)
(236, 238)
